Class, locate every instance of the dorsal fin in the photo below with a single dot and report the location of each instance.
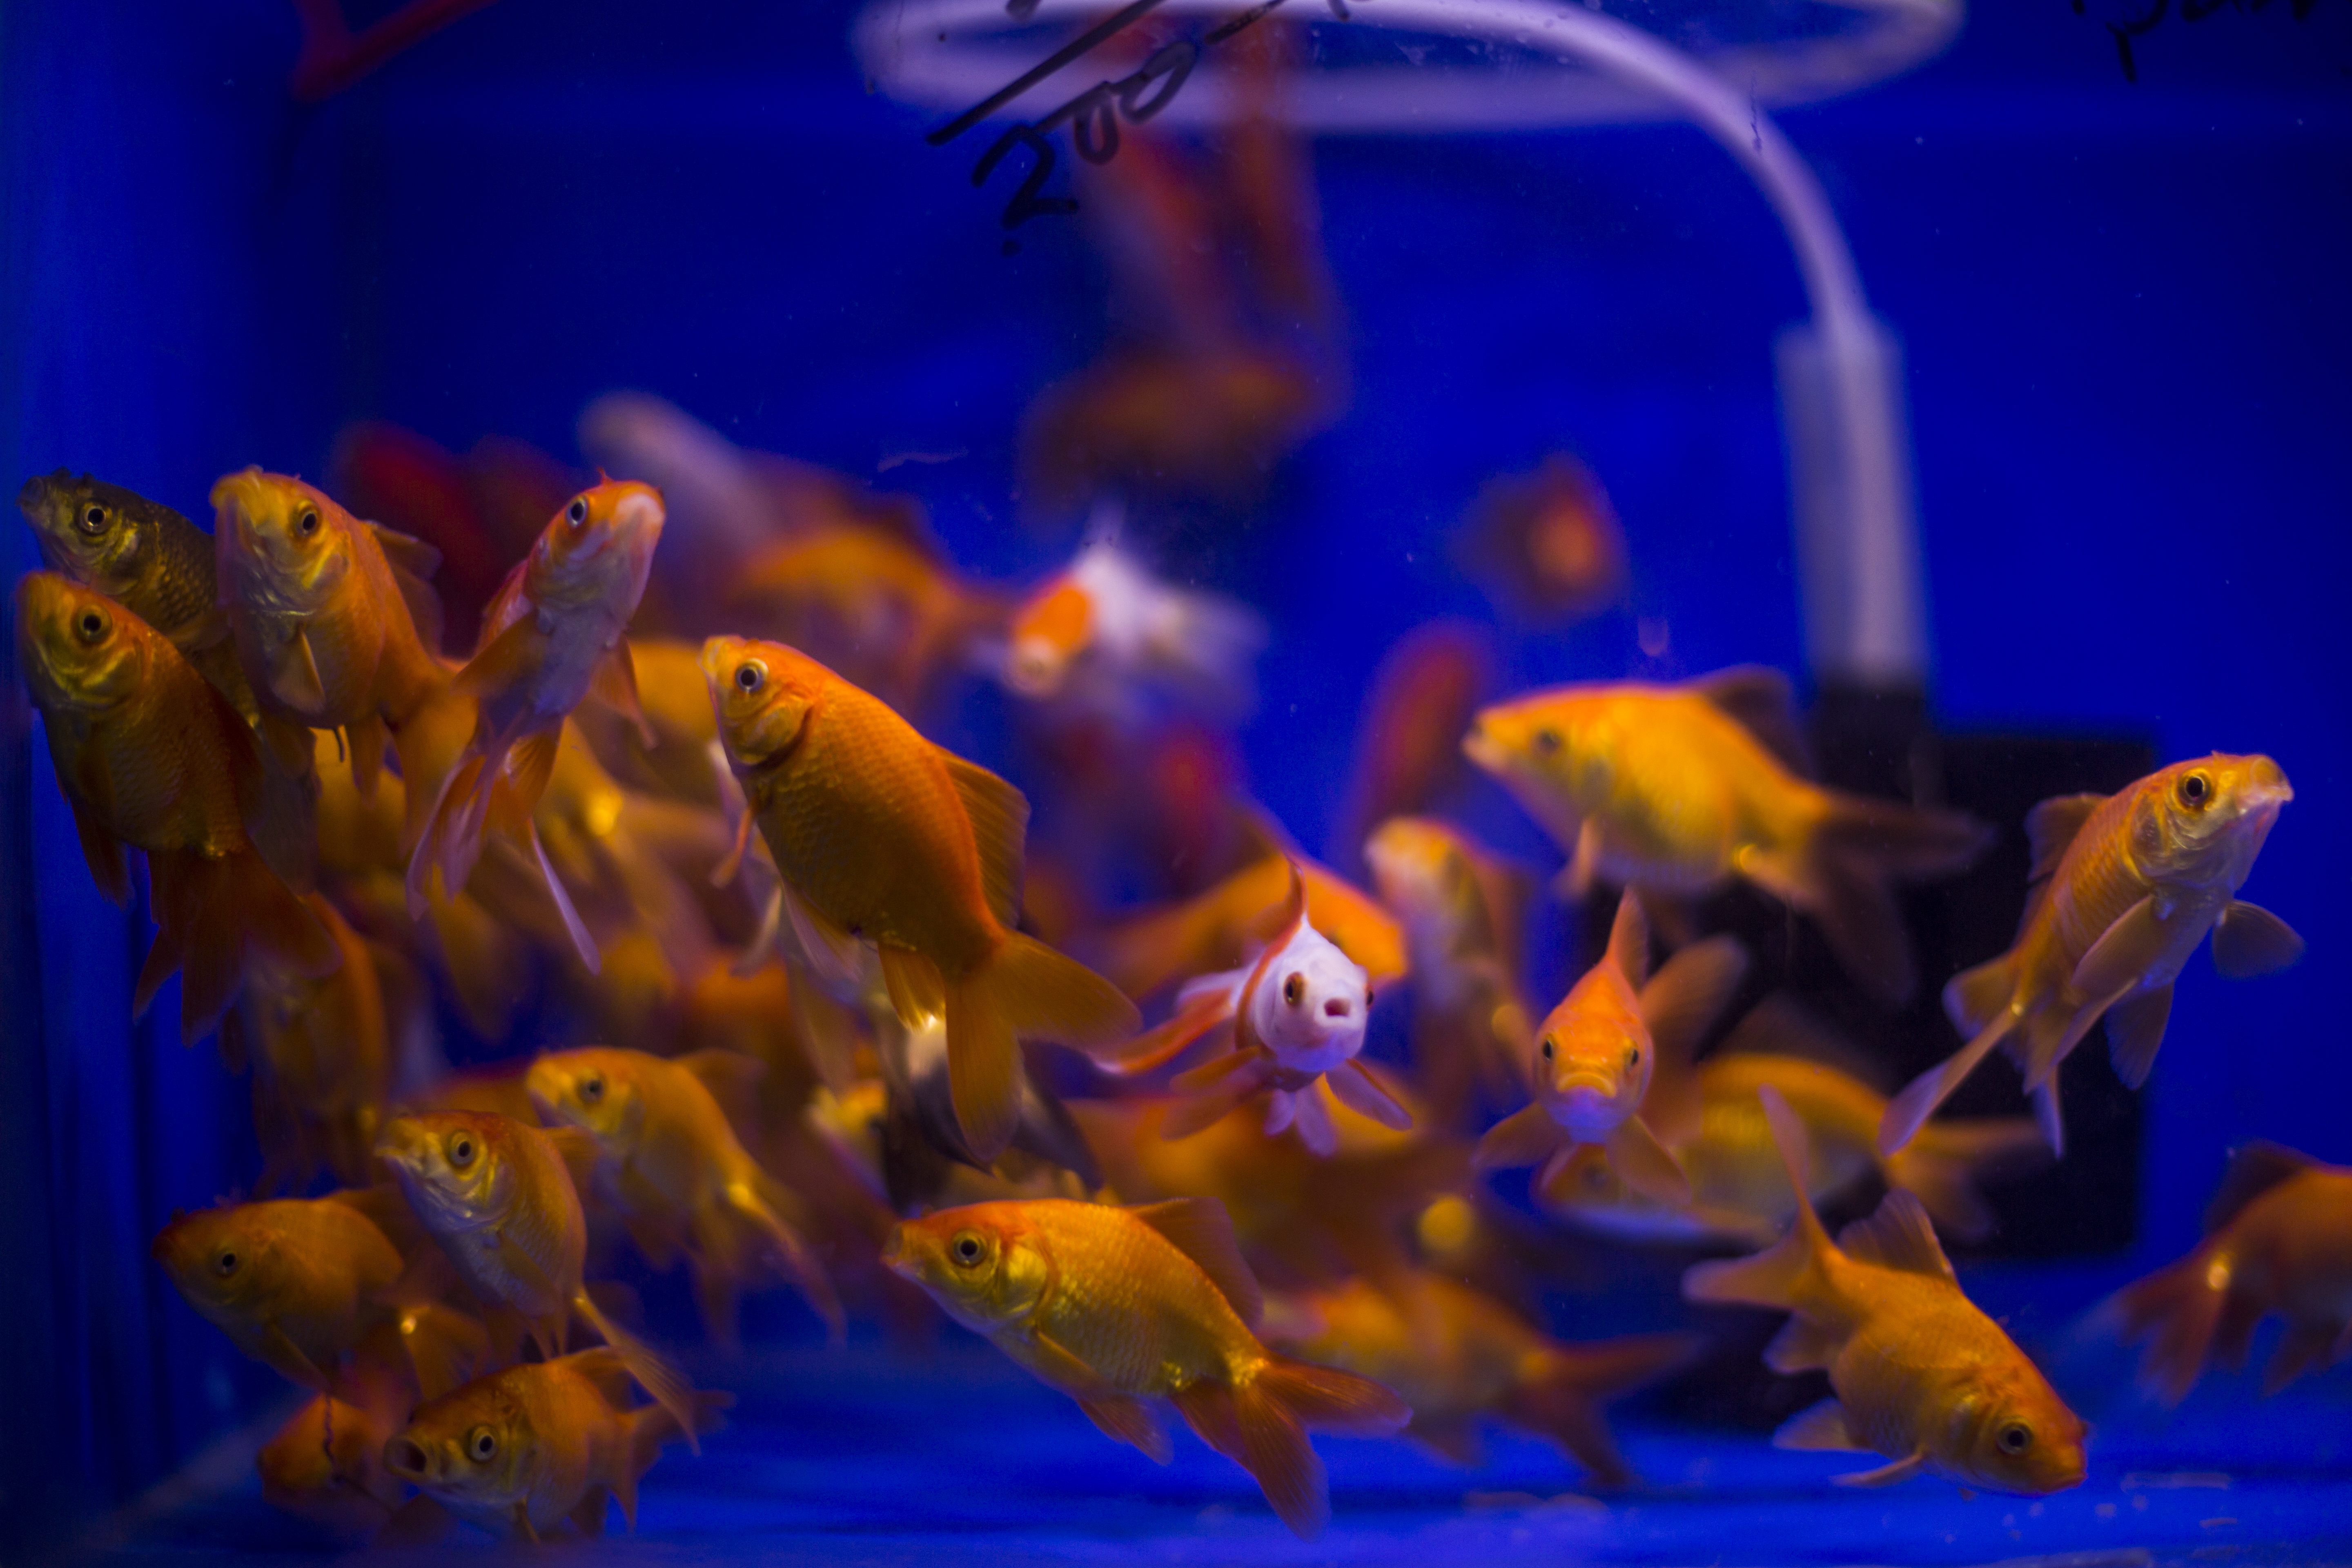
(1759, 700)
(1000, 819)
(2254, 1170)
(1201, 1230)
(1899, 1235)
(2052, 826)
(603, 1366)
(1629, 939)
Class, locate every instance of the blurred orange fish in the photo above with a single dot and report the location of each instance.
(1921, 1376)
(883, 837)
(320, 1054)
(1676, 790)
(523, 1451)
(2123, 889)
(499, 1197)
(150, 756)
(551, 637)
(1546, 546)
(1115, 1307)
(878, 601)
(1612, 1062)
(1409, 741)
(1458, 1354)
(2278, 1241)
(326, 1464)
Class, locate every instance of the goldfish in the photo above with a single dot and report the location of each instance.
(1116, 1306)
(1738, 1191)
(332, 616)
(302, 1285)
(1461, 1355)
(151, 757)
(321, 1061)
(1105, 634)
(1296, 1014)
(1919, 1375)
(2278, 1240)
(1409, 741)
(522, 1451)
(1461, 911)
(551, 637)
(500, 1196)
(672, 1166)
(1613, 1061)
(326, 1464)
(674, 700)
(2122, 890)
(1678, 789)
(881, 837)
(1216, 927)
(1546, 545)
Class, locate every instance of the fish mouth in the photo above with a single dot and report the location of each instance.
(1583, 1102)
(894, 1254)
(1485, 750)
(405, 1457)
(36, 492)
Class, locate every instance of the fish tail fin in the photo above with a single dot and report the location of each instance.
(1561, 1389)
(451, 839)
(1324, 1399)
(653, 1374)
(652, 1428)
(1844, 875)
(217, 917)
(1975, 997)
(1943, 1165)
(1785, 1274)
(2180, 1308)
(1908, 1111)
(1024, 988)
(763, 1203)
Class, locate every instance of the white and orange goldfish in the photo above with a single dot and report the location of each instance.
(2123, 889)
(1295, 1015)
(1676, 790)
(1612, 1062)
(1920, 1375)
(1119, 1306)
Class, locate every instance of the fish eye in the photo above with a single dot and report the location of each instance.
(1368, 998)
(91, 624)
(2195, 791)
(1294, 989)
(93, 518)
(1632, 1057)
(748, 676)
(967, 1249)
(1546, 739)
(1546, 1048)
(577, 512)
(461, 1149)
(225, 1262)
(2015, 1437)
(481, 1445)
(591, 1087)
(307, 522)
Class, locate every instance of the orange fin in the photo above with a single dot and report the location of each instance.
(655, 1375)
(104, 853)
(919, 994)
(2052, 827)
(1758, 699)
(614, 682)
(1203, 1231)
(1159, 1046)
(1646, 1164)
(1822, 1428)
(1526, 1137)
(1900, 1236)
(1130, 1421)
(1000, 820)
(507, 662)
(584, 943)
(1629, 939)
(1209, 1106)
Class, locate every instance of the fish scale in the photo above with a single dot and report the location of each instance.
(1133, 1308)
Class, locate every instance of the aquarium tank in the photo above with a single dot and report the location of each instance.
(1197, 781)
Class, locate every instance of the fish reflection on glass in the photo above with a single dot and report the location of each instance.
(326, 1464)
(1546, 545)
(2123, 890)
(1120, 1307)
(1920, 1376)
(1678, 790)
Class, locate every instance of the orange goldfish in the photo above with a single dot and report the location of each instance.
(321, 1063)
(881, 837)
(150, 756)
(1738, 1191)
(1416, 711)
(2123, 889)
(1546, 545)
(1462, 1354)
(1461, 910)
(551, 637)
(522, 1451)
(1214, 930)
(2278, 1240)
(882, 602)
(1294, 1016)
(499, 1195)
(300, 1285)
(326, 1464)
(1612, 1062)
(1118, 1306)
(1106, 635)
(333, 620)
(1920, 1375)
(674, 1169)
(1677, 789)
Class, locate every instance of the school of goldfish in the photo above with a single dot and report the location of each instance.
(829, 1008)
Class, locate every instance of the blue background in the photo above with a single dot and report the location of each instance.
(2129, 339)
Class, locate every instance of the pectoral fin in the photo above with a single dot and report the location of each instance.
(294, 676)
(1885, 1475)
(1822, 1428)
(1648, 1167)
(614, 682)
(2124, 954)
(1526, 1137)
(2135, 1030)
(1353, 1085)
(286, 1357)
(832, 951)
(1130, 1421)
(2248, 940)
